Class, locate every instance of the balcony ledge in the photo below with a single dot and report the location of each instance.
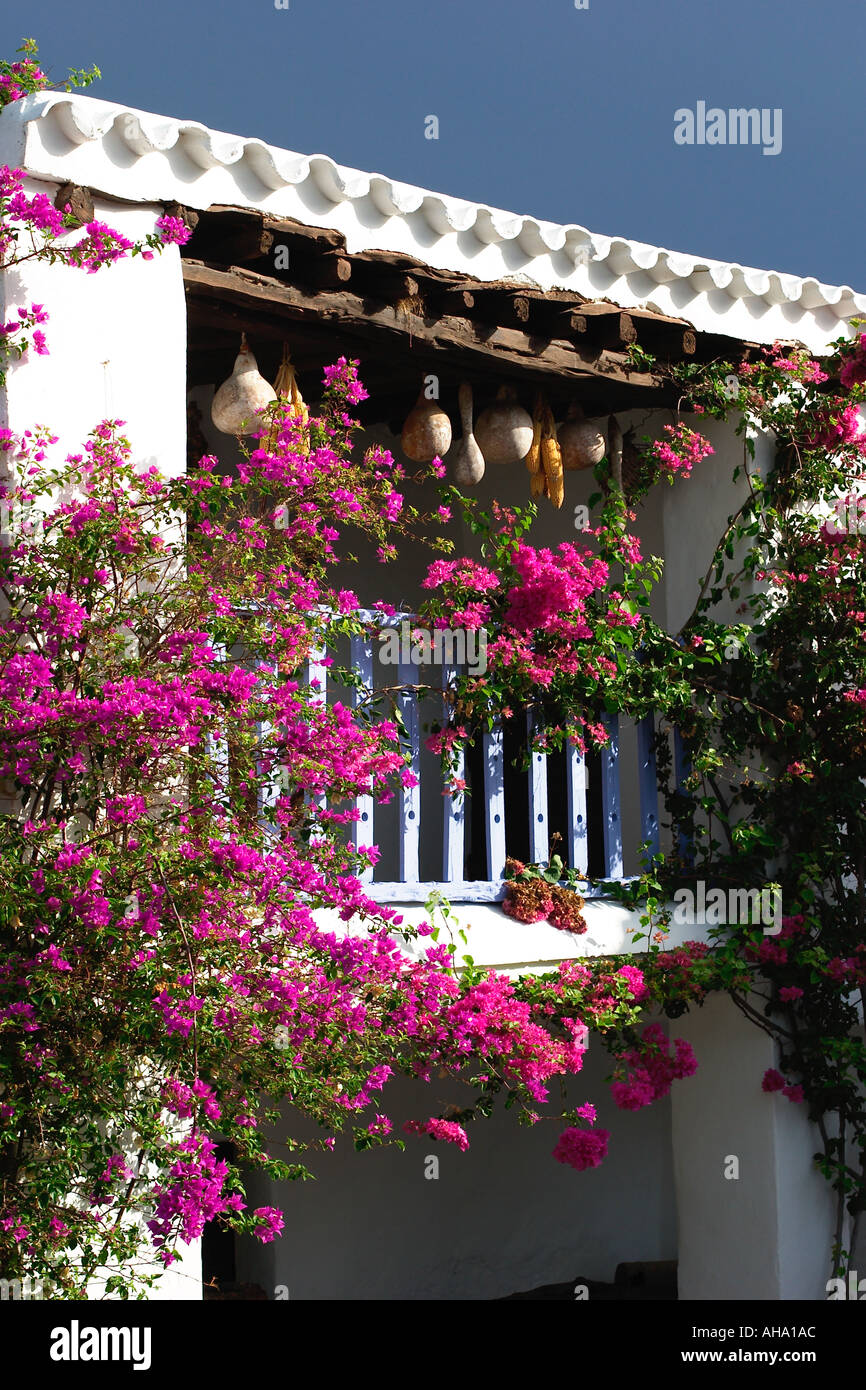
(517, 948)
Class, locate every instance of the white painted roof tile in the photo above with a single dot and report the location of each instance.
(141, 157)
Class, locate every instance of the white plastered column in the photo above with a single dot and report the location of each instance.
(117, 349)
(766, 1234)
(117, 345)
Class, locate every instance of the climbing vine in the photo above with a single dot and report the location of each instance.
(766, 684)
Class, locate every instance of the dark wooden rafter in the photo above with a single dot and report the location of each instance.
(278, 278)
(316, 257)
(355, 316)
(457, 301)
(78, 201)
(618, 328)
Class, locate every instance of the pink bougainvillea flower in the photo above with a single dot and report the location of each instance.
(582, 1148)
(773, 1080)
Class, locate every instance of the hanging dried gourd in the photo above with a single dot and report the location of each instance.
(427, 431)
(242, 396)
(582, 442)
(504, 430)
(468, 460)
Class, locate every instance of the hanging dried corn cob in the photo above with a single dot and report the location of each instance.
(538, 483)
(533, 458)
(551, 459)
(286, 387)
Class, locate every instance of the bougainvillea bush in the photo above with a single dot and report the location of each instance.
(775, 725)
(175, 808)
(178, 802)
(769, 707)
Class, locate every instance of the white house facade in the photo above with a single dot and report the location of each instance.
(502, 1217)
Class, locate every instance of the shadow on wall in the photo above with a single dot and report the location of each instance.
(502, 1218)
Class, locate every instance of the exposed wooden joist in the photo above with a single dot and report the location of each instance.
(332, 269)
(326, 270)
(498, 304)
(78, 200)
(189, 216)
(456, 301)
(235, 236)
(326, 238)
(316, 257)
(614, 327)
(251, 243)
(352, 314)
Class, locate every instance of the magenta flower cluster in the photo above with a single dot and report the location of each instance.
(651, 1066)
(683, 448)
(582, 1148)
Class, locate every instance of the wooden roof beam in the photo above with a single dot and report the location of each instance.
(447, 334)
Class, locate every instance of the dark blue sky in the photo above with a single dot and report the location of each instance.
(566, 114)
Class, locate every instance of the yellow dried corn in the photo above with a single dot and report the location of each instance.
(286, 387)
(551, 459)
(299, 409)
(285, 376)
(533, 458)
(537, 485)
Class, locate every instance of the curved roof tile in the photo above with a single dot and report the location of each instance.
(141, 157)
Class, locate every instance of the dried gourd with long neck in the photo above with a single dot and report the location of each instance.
(468, 461)
(237, 403)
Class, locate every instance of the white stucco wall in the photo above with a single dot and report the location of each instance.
(181, 1282)
(117, 346)
(501, 1218)
(695, 512)
(766, 1234)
